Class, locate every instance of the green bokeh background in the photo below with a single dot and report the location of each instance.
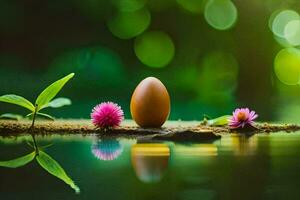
(211, 71)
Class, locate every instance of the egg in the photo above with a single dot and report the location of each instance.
(150, 103)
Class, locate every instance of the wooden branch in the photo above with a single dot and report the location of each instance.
(172, 130)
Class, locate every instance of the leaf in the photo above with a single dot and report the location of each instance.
(220, 121)
(18, 162)
(51, 166)
(17, 100)
(29, 144)
(51, 91)
(57, 103)
(45, 116)
(39, 114)
(11, 116)
(40, 147)
(46, 146)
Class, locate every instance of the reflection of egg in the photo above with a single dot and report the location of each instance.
(150, 103)
(150, 161)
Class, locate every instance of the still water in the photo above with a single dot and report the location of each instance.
(234, 167)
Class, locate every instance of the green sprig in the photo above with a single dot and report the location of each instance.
(44, 100)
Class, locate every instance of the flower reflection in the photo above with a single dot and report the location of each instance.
(106, 149)
(150, 161)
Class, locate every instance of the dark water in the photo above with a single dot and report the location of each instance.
(235, 167)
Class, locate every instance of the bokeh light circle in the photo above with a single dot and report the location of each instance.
(99, 65)
(287, 66)
(292, 32)
(282, 41)
(219, 72)
(220, 14)
(272, 17)
(217, 79)
(126, 25)
(129, 5)
(193, 6)
(154, 49)
(281, 20)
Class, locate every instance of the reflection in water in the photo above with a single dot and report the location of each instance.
(196, 150)
(150, 161)
(241, 145)
(245, 168)
(264, 166)
(106, 149)
(44, 160)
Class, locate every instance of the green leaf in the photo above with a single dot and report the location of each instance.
(57, 103)
(51, 91)
(11, 116)
(220, 121)
(39, 114)
(51, 166)
(46, 146)
(29, 144)
(18, 162)
(17, 100)
(45, 116)
(40, 147)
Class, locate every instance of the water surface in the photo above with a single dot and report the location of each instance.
(235, 167)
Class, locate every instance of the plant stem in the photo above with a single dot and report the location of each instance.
(35, 145)
(32, 130)
(33, 118)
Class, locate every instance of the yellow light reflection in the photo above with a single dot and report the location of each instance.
(151, 150)
(240, 144)
(197, 150)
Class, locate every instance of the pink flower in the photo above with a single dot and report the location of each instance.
(241, 117)
(107, 115)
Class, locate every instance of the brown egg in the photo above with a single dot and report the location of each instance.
(150, 103)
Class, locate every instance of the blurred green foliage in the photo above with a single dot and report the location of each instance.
(212, 55)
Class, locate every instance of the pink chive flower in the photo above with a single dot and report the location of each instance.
(241, 117)
(107, 115)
